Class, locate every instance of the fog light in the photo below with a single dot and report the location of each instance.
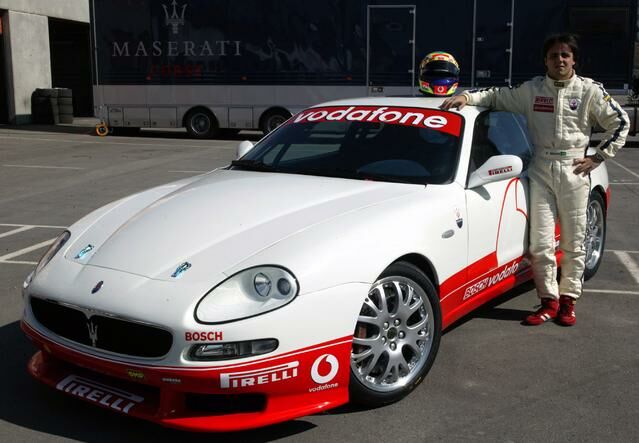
(226, 351)
(283, 286)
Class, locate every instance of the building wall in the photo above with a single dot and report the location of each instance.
(28, 63)
(76, 10)
(27, 51)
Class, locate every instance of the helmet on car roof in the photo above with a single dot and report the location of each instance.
(438, 74)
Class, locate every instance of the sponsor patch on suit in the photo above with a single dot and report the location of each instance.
(544, 104)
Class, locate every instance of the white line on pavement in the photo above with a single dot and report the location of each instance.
(622, 183)
(614, 251)
(629, 263)
(7, 262)
(15, 231)
(26, 250)
(210, 144)
(12, 225)
(42, 167)
(624, 168)
(612, 291)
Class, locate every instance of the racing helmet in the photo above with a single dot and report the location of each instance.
(438, 74)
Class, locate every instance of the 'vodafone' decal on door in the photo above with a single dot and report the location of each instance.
(442, 121)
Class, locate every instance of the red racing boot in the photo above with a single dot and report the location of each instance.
(548, 311)
(566, 315)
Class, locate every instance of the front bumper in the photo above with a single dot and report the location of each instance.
(223, 398)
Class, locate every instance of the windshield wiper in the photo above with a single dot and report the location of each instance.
(354, 175)
(384, 177)
(359, 175)
(253, 165)
(257, 165)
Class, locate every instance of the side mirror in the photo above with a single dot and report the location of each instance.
(496, 168)
(243, 148)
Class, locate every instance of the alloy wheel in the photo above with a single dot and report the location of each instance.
(394, 334)
(594, 233)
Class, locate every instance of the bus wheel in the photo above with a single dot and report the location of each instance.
(101, 129)
(273, 119)
(200, 123)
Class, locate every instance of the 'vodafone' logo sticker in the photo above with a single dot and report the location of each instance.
(436, 119)
(325, 378)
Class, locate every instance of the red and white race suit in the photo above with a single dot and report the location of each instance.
(560, 115)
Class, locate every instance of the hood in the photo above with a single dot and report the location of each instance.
(220, 220)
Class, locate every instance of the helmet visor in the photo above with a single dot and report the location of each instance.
(439, 68)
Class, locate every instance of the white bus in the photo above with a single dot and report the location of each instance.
(215, 66)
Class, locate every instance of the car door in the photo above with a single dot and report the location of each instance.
(497, 211)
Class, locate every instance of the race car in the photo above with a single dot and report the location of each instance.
(318, 268)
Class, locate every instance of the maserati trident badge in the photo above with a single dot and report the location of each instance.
(97, 287)
(93, 333)
(174, 20)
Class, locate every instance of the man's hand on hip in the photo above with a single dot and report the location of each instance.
(585, 165)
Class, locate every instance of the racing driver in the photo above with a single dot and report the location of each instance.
(438, 74)
(560, 109)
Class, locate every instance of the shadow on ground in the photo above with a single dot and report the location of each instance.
(491, 309)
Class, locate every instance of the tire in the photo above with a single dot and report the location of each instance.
(200, 123)
(47, 92)
(65, 92)
(65, 101)
(595, 234)
(41, 112)
(65, 109)
(273, 119)
(55, 110)
(389, 360)
(40, 101)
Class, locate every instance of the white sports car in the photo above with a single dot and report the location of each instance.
(320, 267)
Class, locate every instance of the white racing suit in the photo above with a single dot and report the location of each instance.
(560, 116)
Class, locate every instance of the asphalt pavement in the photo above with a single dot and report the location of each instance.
(493, 379)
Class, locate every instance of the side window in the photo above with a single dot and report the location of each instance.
(499, 133)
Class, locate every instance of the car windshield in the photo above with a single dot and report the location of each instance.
(396, 144)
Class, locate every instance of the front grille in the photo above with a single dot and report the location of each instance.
(101, 331)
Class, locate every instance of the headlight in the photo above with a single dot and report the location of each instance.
(248, 293)
(53, 250)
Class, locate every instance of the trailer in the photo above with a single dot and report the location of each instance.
(215, 66)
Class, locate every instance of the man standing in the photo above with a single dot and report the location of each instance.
(560, 108)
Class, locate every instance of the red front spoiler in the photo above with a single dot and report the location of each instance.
(293, 385)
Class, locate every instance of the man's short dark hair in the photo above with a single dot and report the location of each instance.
(569, 39)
